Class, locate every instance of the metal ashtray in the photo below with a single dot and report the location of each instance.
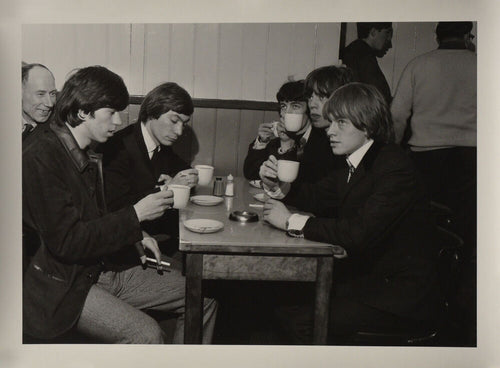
(244, 216)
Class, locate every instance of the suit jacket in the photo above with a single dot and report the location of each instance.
(63, 203)
(317, 159)
(381, 219)
(129, 176)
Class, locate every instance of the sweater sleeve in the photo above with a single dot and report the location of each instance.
(402, 104)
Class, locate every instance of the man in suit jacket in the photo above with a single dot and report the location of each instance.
(387, 276)
(139, 159)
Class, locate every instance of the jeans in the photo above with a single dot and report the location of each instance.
(112, 312)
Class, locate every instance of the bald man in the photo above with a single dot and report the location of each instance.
(38, 96)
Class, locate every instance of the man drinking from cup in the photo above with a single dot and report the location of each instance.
(375, 210)
(315, 156)
(140, 160)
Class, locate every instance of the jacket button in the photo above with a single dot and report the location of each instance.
(89, 275)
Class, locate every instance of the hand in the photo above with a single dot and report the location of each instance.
(154, 205)
(276, 213)
(187, 177)
(268, 172)
(265, 132)
(151, 244)
(282, 134)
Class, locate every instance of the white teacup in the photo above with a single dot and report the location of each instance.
(293, 121)
(181, 195)
(288, 170)
(205, 173)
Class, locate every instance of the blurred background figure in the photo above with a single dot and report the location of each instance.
(374, 40)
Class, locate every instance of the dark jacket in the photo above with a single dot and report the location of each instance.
(361, 58)
(381, 220)
(63, 203)
(128, 172)
(317, 159)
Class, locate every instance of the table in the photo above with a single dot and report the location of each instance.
(249, 251)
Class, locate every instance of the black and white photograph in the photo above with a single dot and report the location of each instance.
(305, 188)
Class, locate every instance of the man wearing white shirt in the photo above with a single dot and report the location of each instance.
(376, 213)
(38, 96)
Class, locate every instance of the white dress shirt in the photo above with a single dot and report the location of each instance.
(151, 146)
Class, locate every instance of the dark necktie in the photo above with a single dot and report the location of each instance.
(27, 129)
(155, 162)
(300, 142)
(351, 170)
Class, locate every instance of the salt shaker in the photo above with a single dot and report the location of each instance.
(229, 186)
(218, 187)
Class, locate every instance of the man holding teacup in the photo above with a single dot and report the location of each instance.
(139, 159)
(315, 156)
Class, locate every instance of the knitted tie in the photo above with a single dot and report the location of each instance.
(27, 129)
(300, 143)
(351, 170)
(155, 161)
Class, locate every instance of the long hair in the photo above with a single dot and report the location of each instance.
(326, 79)
(365, 107)
(90, 89)
(167, 96)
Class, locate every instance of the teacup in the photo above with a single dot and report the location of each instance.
(293, 121)
(205, 173)
(288, 170)
(181, 195)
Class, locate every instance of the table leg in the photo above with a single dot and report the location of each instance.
(322, 302)
(194, 300)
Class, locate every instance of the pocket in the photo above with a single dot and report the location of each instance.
(48, 274)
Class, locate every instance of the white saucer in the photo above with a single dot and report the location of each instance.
(203, 226)
(206, 200)
(261, 197)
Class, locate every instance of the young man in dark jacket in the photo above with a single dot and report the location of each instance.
(69, 282)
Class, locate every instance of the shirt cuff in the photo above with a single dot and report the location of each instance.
(297, 222)
(258, 145)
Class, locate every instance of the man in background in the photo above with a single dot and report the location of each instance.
(38, 96)
(374, 40)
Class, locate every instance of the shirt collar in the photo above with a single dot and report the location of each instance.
(148, 140)
(79, 157)
(356, 157)
(307, 133)
(25, 122)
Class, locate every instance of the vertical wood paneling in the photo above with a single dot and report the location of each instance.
(278, 58)
(254, 54)
(327, 44)
(182, 56)
(205, 60)
(226, 141)
(62, 61)
(156, 55)
(204, 126)
(302, 49)
(250, 121)
(118, 52)
(137, 49)
(91, 44)
(230, 61)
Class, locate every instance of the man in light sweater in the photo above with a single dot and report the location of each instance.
(436, 95)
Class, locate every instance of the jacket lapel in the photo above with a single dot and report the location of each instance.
(140, 149)
(360, 172)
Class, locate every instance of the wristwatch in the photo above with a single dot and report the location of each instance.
(295, 233)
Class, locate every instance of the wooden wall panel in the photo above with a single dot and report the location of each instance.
(156, 55)
(250, 121)
(302, 50)
(226, 141)
(278, 58)
(327, 44)
(182, 56)
(206, 51)
(137, 50)
(118, 51)
(254, 67)
(204, 122)
(230, 61)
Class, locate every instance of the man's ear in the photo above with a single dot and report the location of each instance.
(82, 115)
(373, 32)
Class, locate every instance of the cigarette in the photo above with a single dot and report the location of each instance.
(153, 260)
(256, 205)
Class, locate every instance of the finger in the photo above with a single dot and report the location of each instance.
(140, 251)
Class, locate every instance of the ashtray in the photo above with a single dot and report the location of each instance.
(244, 216)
